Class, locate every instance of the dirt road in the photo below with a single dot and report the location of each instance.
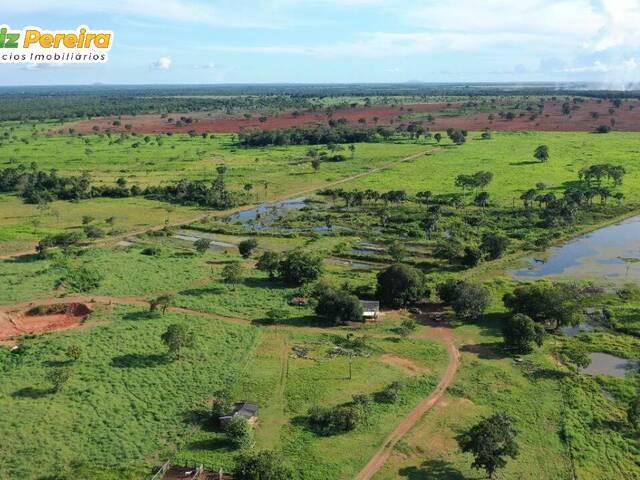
(444, 335)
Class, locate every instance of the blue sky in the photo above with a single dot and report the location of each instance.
(317, 41)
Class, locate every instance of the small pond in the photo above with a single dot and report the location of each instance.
(606, 364)
(611, 253)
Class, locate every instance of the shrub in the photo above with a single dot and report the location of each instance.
(246, 247)
(239, 432)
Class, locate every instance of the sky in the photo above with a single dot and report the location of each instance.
(341, 41)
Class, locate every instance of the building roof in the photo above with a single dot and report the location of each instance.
(243, 409)
(369, 305)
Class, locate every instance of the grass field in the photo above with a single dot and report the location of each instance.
(128, 408)
(509, 156)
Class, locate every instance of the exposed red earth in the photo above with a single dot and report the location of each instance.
(581, 118)
(42, 319)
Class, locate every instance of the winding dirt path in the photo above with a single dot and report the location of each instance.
(444, 335)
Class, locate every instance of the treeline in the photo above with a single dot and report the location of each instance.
(312, 136)
(35, 186)
(65, 106)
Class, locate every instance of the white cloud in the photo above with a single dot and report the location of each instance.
(163, 63)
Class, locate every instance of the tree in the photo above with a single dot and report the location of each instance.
(232, 273)
(269, 262)
(520, 332)
(556, 304)
(246, 247)
(239, 432)
(58, 377)
(163, 302)
(400, 285)
(494, 244)
(472, 256)
(275, 316)
(202, 245)
(541, 153)
(176, 337)
(490, 441)
(315, 164)
(221, 404)
(469, 300)
(263, 465)
(397, 252)
(299, 267)
(482, 200)
(437, 137)
(338, 306)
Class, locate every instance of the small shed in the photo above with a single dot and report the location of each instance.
(370, 309)
(244, 409)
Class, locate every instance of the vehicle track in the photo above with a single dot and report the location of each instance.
(378, 460)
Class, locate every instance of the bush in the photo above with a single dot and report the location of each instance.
(246, 247)
(232, 273)
(400, 285)
(331, 420)
(239, 432)
(391, 392)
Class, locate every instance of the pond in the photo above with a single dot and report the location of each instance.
(611, 253)
(266, 213)
(606, 364)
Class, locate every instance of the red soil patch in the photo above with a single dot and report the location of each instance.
(444, 115)
(43, 319)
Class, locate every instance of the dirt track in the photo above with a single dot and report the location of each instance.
(444, 335)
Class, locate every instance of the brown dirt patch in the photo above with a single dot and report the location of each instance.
(42, 319)
(444, 116)
(404, 363)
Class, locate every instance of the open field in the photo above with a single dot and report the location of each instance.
(95, 308)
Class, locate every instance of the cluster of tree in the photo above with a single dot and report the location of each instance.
(36, 186)
(613, 173)
(550, 304)
(477, 181)
(457, 136)
(359, 197)
(296, 267)
(312, 136)
(468, 300)
(198, 192)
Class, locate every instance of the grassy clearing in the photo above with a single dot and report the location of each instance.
(510, 157)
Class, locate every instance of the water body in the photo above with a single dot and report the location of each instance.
(606, 364)
(268, 212)
(611, 253)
